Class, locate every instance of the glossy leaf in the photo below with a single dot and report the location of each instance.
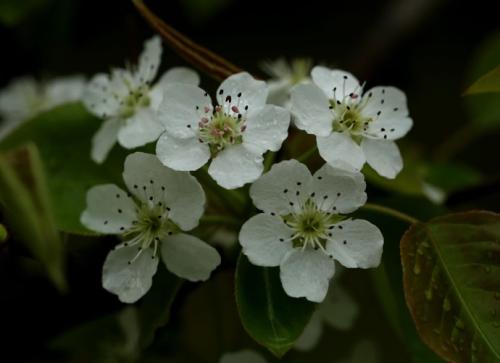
(25, 203)
(270, 317)
(451, 270)
(63, 138)
(489, 83)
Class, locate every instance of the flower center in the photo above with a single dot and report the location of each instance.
(312, 226)
(222, 129)
(151, 226)
(137, 97)
(348, 118)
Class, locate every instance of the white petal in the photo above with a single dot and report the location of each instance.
(310, 109)
(306, 274)
(129, 280)
(388, 100)
(109, 210)
(243, 356)
(149, 60)
(276, 191)
(341, 151)
(242, 90)
(64, 89)
(140, 129)
(236, 166)
(19, 101)
(265, 240)
(356, 243)
(189, 257)
(345, 190)
(311, 335)
(174, 75)
(98, 97)
(339, 309)
(180, 75)
(343, 82)
(267, 129)
(182, 154)
(152, 182)
(104, 139)
(383, 156)
(387, 107)
(182, 108)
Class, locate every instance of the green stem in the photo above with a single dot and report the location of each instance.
(221, 219)
(390, 212)
(269, 160)
(305, 156)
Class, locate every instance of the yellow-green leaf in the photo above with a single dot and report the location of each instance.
(489, 83)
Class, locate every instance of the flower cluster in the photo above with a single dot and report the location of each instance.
(303, 226)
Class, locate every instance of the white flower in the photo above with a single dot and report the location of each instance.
(285, 75)
(127, 101)
(235, 133)
(338, 310)
(304, 226)
(151, 220)
(352, 128)
(242, 356)
(24, 98)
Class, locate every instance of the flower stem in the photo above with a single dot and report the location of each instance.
(221, 219)
(390, 212)
(307, 155)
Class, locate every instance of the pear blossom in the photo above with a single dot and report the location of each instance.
(284, 76)
(24, 98)
(338, 310)
(235, 133)
(151, 221)
(304, 226)
(352, 127)
(127, 100)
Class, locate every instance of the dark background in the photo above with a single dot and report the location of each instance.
(425, 47)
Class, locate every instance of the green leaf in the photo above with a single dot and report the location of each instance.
(489, 83)
(25, 203)
(153, 310)
(451, 273)
(3, 233)
(484, 108)
(270, 317)
(63, 138)
(387, 279)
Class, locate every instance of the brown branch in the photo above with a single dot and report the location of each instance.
(200, 57)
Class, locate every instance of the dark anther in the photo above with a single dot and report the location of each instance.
(320, 177)
(345, 242)
(378, 113)
(135, 186)
(285, 191)
(239, 94)
(188, 126)
(228, 98)
(221, 91)
(105, 222)
(119, 210)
